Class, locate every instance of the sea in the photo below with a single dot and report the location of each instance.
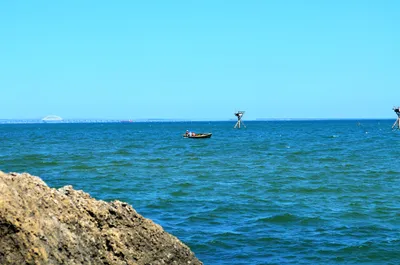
(275, 192)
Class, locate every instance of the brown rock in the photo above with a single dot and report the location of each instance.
(41, 225)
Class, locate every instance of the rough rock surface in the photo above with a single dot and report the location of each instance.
(42, 225)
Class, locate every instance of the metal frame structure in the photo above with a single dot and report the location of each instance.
(239, 116)
(396, 124)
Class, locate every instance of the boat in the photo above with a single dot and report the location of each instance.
(198, 135)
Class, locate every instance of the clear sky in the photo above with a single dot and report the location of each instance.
(199, 59)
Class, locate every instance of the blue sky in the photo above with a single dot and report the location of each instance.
(199, 59)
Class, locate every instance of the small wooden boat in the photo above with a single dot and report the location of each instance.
(198, 135)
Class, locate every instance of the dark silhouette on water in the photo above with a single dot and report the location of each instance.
(239, 116)
(396, 124)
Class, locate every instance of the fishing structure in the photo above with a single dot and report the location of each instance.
(239, 116)
(396, 124)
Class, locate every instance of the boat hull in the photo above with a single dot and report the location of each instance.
(199, 136)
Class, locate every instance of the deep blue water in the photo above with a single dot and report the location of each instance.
(293, 192)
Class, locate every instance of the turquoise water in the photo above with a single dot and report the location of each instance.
(294, 192)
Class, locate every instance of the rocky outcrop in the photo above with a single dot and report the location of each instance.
(42, 225)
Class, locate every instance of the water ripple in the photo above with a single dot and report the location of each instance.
(300, 192)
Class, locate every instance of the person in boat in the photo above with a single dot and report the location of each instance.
(189, 134)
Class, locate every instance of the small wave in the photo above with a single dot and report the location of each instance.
(121, 164)
(185, 185)
(223, 210)
(204, 218)
(33, 157)
(391, 172)
(303, 152)
(221, 243)
(168, 148)
(318, 189)
(135, 146)
(158, 159)
(50, 163)
(228, 234)
(160, 204)
(328, 159)
(290, 218)
(311, 220)
(353, 215)
(267, 239)
(82, 167)
(356, 248)
(122, 152)
(280, 218)
(179, 193)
